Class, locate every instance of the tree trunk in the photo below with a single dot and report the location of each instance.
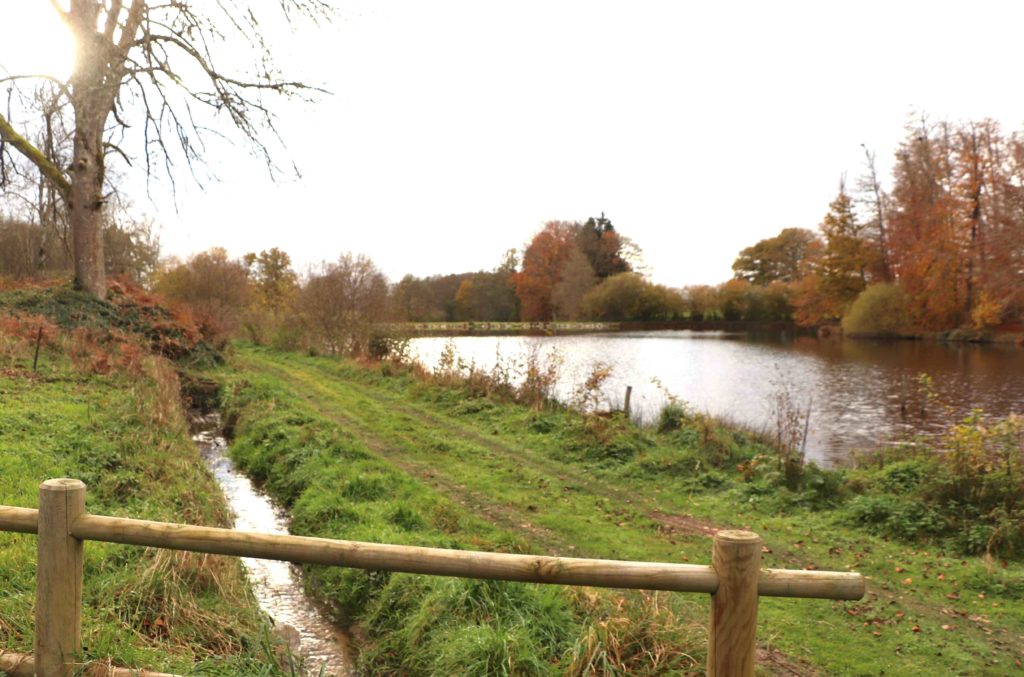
(85, 213)
(92, 101)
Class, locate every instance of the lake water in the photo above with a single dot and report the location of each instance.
(860, 393)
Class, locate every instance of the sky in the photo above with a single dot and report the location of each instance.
(454, 130)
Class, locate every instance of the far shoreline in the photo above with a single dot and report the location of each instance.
(1014, 337)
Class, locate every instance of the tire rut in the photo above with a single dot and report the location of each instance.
(669, 524)
(511, 519)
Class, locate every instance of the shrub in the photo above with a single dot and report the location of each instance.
(671, 417)
(898, 516)
(629, 297)
(881, 309)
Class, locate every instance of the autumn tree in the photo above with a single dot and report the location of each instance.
(576, 278)
(271, 315)
(274, 281)
(848, 256)
(341, 301)
(701, 302)
(489, 296)
(925, 237)
(413, 299)
(628, 297)
(543, 261)
(775, 259)
(215, 288)
(602, 246)
(145, 71)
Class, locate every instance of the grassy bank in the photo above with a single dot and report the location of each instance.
(101, 408)
(511, 477)
(337, 485)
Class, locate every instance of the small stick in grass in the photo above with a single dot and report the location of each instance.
(39, 339)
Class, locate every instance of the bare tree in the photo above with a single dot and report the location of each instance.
(874, 199)
(341, 302)
(151, 65)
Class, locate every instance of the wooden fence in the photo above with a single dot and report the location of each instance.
(734, 579)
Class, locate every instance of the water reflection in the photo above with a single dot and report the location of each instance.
(277, 585)
(861, 393)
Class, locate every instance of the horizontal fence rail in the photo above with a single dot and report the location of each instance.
(734, 580)
(24, 665)
(602, 573)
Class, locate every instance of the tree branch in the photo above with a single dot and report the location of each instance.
(36, 157)
(60, 11)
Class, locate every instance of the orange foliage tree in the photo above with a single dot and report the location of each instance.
(543, 261)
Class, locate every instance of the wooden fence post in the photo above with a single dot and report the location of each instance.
(58, 578)
(629, 396)
(736, 557)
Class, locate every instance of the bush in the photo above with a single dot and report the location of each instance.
(671, 417)
(881, 309)
(896, 516)
(628, 297)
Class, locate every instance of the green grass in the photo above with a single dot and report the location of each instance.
(126, 437)
(338, 487)
(556, 482)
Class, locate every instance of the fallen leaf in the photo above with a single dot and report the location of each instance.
(908, 581)
(900, 570)
(947, 628)
(916, 628)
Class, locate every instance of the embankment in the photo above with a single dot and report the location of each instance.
(383, 453)
(100, 407)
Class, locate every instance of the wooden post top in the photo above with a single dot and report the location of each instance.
(736, 536)
(62, 484)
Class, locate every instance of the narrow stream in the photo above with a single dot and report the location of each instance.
(322, 646)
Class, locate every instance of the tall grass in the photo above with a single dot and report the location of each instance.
(99, 406)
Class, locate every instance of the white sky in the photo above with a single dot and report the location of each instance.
(456, 129)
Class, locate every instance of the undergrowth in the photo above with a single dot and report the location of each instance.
(99, 406)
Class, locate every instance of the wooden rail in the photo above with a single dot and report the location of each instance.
(735, 579)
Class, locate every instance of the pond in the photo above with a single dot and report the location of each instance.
(860, 393)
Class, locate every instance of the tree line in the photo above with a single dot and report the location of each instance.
(943, 249)
(568, 270)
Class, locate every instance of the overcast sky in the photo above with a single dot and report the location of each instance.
(456, 129)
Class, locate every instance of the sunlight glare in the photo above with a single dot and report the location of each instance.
(34, 41)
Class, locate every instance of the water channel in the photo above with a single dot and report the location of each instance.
(277, 586)
(860, 393)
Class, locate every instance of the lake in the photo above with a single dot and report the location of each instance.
(860, 393)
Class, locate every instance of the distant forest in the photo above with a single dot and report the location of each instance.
(942, 250)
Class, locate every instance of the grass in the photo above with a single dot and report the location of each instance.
(551, 481)
(122, 432)
(337, 486)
